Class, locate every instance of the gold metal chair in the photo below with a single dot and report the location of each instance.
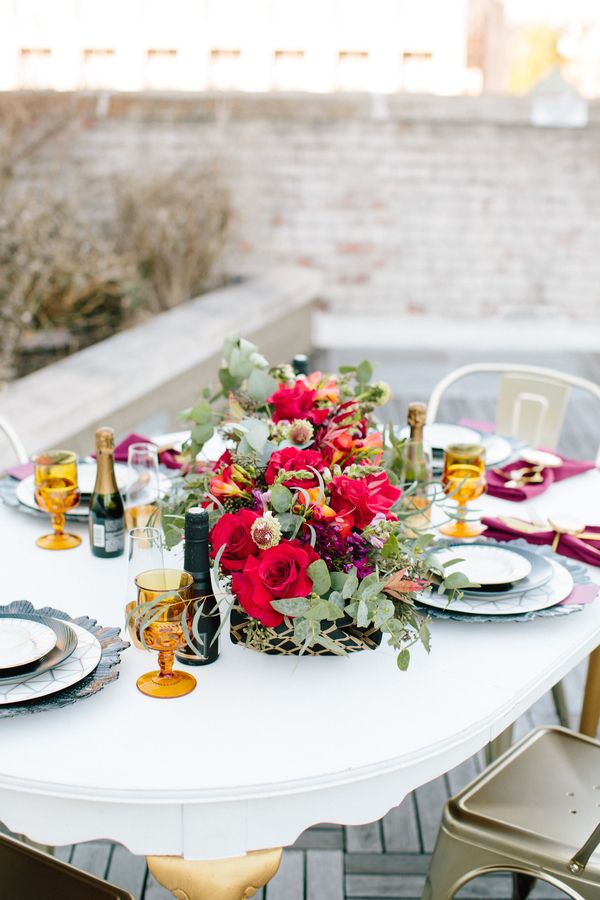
(29, 874)
(526, 814)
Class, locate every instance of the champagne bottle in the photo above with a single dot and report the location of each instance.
(300, 364)
(195, 561)
(417, 467)
(106, 517)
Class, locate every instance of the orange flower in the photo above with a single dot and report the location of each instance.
(329, 390)
(232, 482)
(398, 585)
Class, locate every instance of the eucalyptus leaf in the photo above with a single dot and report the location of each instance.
(260, 386)
(228, 382)
(338, 580)
(320, 577)
(325, 641)
(281, 498)
(455, 581)
(362, 614)
(350, 585)
(364, 372)
(390, 548)
(202, 433)
(403, 660)
(257, 435)
(291, 606)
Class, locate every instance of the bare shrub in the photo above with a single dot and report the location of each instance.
(59, 269)
(54, 272)
(175, 224)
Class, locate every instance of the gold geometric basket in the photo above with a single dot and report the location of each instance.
(279, 641)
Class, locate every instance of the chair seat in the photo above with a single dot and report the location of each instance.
(542, 798)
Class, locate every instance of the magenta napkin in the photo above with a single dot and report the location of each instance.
(168, 458)
(584, 550)
(20, 472)
(478, 425)
(581, 595)
(496, 484)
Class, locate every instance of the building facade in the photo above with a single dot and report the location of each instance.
(253, 45)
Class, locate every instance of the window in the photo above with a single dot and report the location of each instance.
(417, 75)
(288, 70)
(225, 70)
(161, 69)
(99, 68)
(35, 67)
(353, 70)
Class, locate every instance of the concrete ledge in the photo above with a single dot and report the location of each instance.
(154, 370)
(526, 334)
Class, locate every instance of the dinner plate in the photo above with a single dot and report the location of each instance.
(541, 572)
(497, 449)
(23, 641)
(485, 564)
(440, 435)
(86, 477)
(554, 591)
(66, 641)
(83, 660)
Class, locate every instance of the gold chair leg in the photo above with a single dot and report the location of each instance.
(560, 704)
(220, 879)
(499, 745)
(590, 713)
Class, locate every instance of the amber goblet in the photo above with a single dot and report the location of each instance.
(166, 595)
(56, 491)
(463, 479)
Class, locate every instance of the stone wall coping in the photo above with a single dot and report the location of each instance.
(161, 363)
(225, 106)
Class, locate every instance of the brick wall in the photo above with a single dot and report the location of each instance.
(427, 205)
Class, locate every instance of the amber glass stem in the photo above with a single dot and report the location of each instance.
(58, 522)
(166, 659)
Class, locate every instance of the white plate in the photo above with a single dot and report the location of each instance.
(497, 450)
(86, 477)
(541, 458)
(485, 563)
(440, 435)
(23, 641)
(554, 591)
(80, 663)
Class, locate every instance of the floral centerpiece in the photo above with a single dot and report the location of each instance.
(308, 535)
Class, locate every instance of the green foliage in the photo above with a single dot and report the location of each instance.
(320, 577)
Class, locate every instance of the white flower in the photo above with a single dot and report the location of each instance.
(266, 531)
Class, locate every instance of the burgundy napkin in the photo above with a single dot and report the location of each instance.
(584, 550)
(496, 484)
(168, 458)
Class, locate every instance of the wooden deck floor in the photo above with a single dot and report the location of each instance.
(389, 858)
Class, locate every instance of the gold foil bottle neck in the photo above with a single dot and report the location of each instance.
(417, 413)
(105, 439)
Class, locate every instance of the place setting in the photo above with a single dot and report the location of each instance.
(48, 660)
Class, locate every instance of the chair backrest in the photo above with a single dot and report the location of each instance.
(29, 874)
(531, 403)
(14, 440)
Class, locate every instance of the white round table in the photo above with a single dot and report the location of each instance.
(265, 746)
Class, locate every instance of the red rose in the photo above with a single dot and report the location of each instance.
(297, 402)
(278, 572)
(292, 460)
(233, 530)
(362, 498)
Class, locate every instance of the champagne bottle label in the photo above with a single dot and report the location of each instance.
(110, 535)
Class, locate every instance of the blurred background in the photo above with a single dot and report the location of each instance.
(435, 161)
